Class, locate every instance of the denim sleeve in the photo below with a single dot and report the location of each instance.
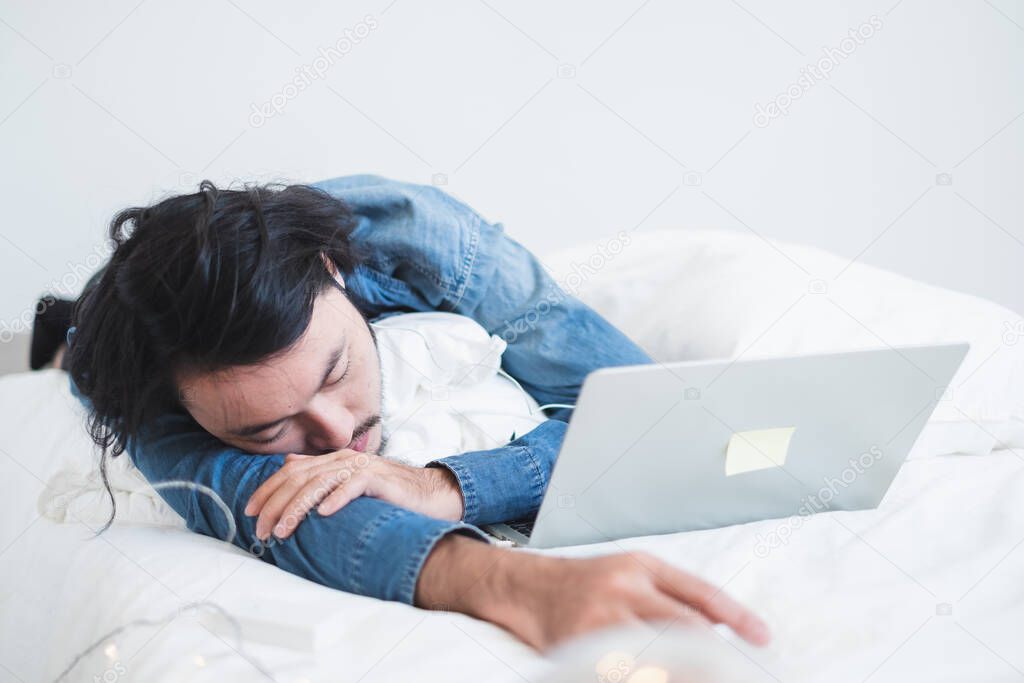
(507, 483)
(369, 547)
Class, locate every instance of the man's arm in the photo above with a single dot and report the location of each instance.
(480, 487)
(509, 482)
(369, 547)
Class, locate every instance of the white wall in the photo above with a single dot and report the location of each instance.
(565, 122)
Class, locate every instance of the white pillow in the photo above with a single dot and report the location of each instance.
(685, 295)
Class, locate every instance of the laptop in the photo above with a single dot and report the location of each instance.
(663, 448)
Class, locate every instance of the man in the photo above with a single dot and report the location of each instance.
(226, 344)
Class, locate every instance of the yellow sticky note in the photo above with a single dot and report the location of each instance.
(757, 449)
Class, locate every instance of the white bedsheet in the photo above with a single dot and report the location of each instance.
(927, 587)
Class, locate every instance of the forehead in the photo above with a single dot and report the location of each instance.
(278, 385)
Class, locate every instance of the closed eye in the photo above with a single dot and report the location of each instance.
(348, 366)
(284, 428)
(272, 439)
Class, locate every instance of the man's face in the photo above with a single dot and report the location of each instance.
(321, 395)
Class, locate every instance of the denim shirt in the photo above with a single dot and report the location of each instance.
(421, 250)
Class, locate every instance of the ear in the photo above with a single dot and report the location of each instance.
(332, 269)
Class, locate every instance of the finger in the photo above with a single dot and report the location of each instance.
(270, 512)
(343, 495)
(659, 606)
(265, 490)
(320, 485)
(713, 603)
(297, 457)
(290, 492)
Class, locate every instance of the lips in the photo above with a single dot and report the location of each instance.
(360, 443)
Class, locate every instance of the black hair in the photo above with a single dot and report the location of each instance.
(199, 282)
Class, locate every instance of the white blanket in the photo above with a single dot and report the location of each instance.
(926, 587)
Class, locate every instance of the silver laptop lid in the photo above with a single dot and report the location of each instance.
(695, 445)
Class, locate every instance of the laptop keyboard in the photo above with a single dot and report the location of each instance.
(523, 526)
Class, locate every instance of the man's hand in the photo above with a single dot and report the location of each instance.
(545, 600)
(331, 481)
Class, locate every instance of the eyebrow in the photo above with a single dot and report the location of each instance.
(251, 430)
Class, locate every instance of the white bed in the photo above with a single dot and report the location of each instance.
(927, 587)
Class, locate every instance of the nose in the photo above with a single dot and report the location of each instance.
(329, 425)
